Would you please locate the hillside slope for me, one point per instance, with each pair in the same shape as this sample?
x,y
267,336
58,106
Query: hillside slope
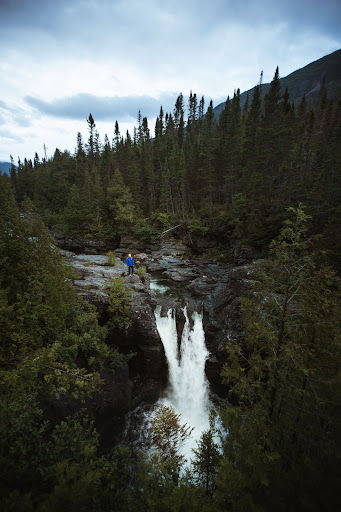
x,y
5,167
307,80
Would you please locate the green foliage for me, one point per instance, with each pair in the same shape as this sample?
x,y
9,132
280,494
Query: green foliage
x,y
235,178
161,482
221,254
284,384
141,271
167,435
75,213
46,469
45,327
52,349
120,304
156,490
164,219
144,230
207,457
198,228
120,203
111,258
72,274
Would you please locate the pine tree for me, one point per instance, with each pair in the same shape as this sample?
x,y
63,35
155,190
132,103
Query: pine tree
x,y
252,126
231,147
192,115
207,175
166,195
75,215
92,134
80,158
223,119
284,382
120,304
13,176
271,128
119,201
117,137
182,173
106,164
159,125
207,458
167,435
139,134
179,123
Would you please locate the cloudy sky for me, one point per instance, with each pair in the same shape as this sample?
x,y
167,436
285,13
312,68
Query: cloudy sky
x,y
61,60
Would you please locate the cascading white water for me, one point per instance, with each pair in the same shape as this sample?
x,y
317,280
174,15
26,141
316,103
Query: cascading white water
x,y
188,385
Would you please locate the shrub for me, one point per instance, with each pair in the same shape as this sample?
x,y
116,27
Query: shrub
x,y
111,259
120,304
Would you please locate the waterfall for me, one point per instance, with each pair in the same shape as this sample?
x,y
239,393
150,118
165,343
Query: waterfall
x,y
187,392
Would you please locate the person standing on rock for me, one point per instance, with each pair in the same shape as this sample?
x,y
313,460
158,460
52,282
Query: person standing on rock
x,y
130,264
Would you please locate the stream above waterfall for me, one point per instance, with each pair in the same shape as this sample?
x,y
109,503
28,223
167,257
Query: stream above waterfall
x,y
210,295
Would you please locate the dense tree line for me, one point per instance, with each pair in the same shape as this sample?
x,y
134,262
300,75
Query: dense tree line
x,y
283,389
230,179
283,447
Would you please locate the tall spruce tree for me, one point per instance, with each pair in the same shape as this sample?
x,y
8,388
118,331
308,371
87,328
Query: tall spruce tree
x,y
284,383
92,135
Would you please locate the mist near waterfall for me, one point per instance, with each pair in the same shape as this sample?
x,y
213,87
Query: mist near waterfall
x,y
188,387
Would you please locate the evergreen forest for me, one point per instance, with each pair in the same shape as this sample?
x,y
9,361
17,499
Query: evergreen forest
x,y
266,177
231,180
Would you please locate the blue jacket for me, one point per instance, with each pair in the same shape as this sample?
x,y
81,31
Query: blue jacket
x,y
130,261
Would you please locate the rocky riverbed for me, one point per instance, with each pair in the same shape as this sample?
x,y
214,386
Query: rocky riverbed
x,y
170,276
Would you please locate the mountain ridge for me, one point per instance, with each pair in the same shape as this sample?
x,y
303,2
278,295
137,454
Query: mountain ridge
x,y
5,167
304,81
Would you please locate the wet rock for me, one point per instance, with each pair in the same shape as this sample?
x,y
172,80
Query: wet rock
x,y
202,244
182,275
154,266
131,245
147,392
143,320
107,407
202,285
111,405
138,283
193,282
85,246
94,275
223,309
171,262
213,369
243,254
142,256
172,247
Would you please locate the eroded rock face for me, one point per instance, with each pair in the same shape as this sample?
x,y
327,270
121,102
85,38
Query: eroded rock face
x,y
111,404
85,246
141,338
222,319
194,282
148,366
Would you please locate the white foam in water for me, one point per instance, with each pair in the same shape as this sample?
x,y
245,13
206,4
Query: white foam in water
x,y
188,385
160,288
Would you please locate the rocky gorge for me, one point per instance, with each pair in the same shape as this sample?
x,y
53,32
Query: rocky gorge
x,y
173,276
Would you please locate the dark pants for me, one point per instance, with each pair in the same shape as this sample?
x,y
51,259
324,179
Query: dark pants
x,y
130,270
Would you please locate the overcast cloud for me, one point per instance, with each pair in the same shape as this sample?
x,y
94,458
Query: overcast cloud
x,y
59,61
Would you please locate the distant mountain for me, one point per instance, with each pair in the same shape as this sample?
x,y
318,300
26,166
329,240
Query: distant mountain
x,y
307,80
5,167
